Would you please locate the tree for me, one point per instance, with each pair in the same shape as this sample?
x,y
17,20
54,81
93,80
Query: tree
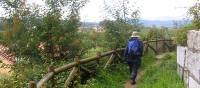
x,y
126,20
194,11
47,35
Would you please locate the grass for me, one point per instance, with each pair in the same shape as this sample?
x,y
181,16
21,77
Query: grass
x,y
116,76
108,78
155,76
162,75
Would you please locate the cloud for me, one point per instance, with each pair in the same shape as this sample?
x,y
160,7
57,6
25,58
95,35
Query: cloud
x,y
165,9
150,9
93,11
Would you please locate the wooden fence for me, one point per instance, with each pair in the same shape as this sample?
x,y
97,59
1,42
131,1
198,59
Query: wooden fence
x,y
77,62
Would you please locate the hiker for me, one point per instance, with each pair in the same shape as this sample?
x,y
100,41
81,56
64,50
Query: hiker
x,y
132,55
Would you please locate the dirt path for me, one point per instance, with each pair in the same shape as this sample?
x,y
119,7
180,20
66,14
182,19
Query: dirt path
x,y
4,71
141,73
128,83
7,59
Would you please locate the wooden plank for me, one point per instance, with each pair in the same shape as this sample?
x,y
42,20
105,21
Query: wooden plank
x,y
158,40
71,77
109,61
51,69
86,69
98,54
118,55
45,79
49,75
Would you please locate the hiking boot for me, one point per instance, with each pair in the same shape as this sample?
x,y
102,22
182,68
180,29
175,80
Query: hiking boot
x,y
132,82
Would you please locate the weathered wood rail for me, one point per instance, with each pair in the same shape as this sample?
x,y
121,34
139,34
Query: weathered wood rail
x,y
77,62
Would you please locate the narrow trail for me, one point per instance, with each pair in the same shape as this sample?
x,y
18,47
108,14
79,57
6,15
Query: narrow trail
x,y
142,72
4,71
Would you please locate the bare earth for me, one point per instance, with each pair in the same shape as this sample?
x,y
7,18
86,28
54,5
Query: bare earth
x,y
4,71
128,83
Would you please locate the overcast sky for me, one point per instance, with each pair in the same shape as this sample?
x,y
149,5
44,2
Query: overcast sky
x,y
150,9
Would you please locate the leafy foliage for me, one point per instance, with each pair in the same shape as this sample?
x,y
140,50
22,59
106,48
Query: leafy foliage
x,y
181,34
194,11
126,20
39,36
116,33
38,39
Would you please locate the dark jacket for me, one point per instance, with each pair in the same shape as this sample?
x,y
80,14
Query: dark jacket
x,y
127,57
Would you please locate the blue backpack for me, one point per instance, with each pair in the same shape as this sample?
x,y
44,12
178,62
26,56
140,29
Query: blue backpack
x,y
134,47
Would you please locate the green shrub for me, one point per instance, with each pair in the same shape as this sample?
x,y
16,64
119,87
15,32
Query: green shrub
x,y
116,32
181,35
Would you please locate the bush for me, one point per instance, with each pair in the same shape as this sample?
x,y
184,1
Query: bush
x,y
27,33
181,35
116,33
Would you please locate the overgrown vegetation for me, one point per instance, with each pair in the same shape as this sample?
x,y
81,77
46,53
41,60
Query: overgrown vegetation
x,y
108,78
47,35
126,20
163,75
116,77
155,75
41,37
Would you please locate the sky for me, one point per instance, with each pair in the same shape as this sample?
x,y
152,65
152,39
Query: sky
x,y
149,9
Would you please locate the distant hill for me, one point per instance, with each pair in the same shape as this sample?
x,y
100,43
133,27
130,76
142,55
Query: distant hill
x,y
147,23
89,24
159,23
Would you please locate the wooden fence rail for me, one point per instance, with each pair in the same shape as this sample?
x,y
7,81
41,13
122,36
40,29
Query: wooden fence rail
x,y
76,65
49,75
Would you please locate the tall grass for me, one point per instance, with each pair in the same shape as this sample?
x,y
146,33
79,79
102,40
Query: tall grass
x,y
116,76
162,76
109,79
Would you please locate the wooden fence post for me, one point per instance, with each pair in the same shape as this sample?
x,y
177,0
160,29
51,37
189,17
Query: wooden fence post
x,y
78,73
32,84
99,56
111,59
119,56
74,73
146,47
51,69
71,77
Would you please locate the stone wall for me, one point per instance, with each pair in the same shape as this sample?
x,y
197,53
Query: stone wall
x,y
188,60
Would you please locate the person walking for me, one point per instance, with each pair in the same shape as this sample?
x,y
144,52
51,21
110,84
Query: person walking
x,y
132,55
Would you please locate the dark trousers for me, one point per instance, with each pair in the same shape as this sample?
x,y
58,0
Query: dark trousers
x,y
134,66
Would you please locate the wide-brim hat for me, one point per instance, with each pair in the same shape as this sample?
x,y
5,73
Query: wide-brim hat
x,y
135,34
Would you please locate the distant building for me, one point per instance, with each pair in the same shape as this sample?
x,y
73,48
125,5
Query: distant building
x,y
90,26
99,29
86,29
